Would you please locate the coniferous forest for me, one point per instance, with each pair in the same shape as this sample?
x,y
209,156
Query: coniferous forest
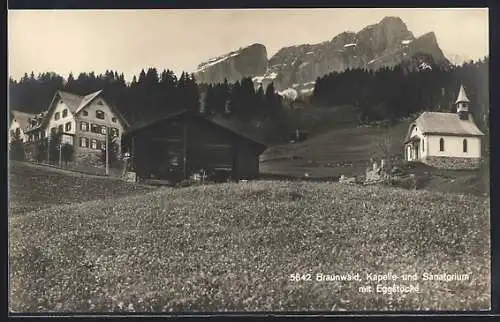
x,y
385,94
397,92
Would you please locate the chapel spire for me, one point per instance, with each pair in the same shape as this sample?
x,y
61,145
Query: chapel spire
x,y
462,104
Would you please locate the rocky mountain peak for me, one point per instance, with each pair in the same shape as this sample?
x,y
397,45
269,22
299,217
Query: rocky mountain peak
x,y
234,66
384,44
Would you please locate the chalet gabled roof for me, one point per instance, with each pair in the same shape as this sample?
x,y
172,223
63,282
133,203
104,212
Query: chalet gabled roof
x,y
76,103
86,100
71,100
444,124
141,125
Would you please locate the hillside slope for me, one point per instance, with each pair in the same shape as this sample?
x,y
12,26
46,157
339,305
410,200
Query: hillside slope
x,y
233,247
347,150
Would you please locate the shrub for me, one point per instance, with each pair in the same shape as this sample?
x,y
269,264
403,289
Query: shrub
x,y
41,150
67,152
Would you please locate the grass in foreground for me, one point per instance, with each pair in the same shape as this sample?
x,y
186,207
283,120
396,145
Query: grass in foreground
x,y
34,188
232,247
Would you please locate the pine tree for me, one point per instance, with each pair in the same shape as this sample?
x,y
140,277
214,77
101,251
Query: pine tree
x,y
70,83
17,146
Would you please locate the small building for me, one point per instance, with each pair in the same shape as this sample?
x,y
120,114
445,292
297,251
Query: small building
x,y
184,143
446,140
18,122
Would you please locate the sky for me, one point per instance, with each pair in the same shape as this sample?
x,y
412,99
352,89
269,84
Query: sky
x,y
127,41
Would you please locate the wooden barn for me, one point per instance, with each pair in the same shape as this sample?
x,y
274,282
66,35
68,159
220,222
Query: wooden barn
x,y
184,143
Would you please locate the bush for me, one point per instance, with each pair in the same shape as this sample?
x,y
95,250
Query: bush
x,y
67,152
41,151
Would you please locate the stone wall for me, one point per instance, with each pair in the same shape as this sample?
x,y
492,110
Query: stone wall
x,y
453,162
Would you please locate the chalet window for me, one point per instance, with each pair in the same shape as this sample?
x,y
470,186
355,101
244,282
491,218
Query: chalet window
x,y
99,114
464,145
113,119
103,145
65,112
84,126
60,128
57,116
115,132
93,145
98,145
67,127
84,142
103,130
94,128
441,144
85,113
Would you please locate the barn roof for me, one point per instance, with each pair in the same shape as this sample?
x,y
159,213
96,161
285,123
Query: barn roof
x,y
444,124
141,125
21,118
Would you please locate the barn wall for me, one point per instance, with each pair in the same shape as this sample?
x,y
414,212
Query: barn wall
x,y
158,149
247,163
209,147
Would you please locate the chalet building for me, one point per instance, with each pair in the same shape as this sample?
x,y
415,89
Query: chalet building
x,y
446,140
82,121
18,121
185,142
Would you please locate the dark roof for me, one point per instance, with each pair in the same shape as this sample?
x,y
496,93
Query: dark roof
x,y
183,113
71,100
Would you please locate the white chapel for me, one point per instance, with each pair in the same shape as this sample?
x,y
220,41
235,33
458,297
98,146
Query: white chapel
x,y
445,140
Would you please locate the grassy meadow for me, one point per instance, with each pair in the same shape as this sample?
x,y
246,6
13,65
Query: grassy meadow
x,y
233,246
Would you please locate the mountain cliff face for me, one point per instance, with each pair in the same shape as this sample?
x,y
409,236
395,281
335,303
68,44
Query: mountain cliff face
x,y
245,62
384,44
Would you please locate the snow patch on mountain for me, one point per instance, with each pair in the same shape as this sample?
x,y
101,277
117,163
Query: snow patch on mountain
x,y
457,59
216,60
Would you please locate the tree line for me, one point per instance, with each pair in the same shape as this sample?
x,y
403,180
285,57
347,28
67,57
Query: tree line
x,y
387,93
152,95
148,96
393,93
